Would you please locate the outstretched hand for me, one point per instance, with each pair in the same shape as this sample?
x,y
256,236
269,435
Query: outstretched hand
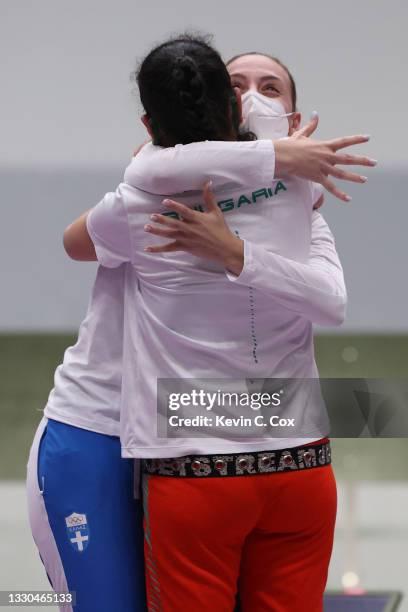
x,y
316,160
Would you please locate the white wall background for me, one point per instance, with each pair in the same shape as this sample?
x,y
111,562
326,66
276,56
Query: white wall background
x,y
69,121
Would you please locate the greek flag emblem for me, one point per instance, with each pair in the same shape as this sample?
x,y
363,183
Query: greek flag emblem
x,y
77,531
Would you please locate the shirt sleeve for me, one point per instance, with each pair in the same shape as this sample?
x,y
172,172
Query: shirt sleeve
x,y
172,170
108,228
314,290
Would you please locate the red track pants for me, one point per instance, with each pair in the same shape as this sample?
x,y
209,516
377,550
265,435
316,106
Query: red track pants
x,y
271,534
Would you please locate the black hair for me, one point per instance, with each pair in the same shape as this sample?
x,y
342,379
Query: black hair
x,y
186,92
281,64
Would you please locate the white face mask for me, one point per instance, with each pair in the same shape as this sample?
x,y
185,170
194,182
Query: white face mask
x,y
265,117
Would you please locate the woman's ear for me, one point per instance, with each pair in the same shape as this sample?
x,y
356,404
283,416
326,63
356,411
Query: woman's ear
x,y
147,124
294,122
238,96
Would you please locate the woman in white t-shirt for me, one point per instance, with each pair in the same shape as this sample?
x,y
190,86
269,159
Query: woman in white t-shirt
x,y
185,316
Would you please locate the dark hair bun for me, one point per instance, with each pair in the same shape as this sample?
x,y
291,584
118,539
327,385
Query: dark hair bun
x,y
186,92
188,81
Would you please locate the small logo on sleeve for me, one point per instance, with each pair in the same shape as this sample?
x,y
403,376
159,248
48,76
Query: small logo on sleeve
x,y
77,531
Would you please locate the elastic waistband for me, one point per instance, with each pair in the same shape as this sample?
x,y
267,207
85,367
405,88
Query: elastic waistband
x,y
241,464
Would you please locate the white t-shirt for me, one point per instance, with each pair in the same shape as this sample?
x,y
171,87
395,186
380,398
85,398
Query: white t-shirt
x,y
185,317
88,382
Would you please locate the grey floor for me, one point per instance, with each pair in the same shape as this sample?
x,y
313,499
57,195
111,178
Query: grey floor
x,y
371,539
20,565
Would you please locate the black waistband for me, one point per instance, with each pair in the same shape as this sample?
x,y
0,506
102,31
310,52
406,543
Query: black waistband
x,y
241,464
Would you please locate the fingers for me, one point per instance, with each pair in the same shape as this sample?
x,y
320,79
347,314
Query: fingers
x,y
346,176
158,231
140,147
310,127
165,248
344,159
172,229
183,211
347,141
334,190
170,222
209,198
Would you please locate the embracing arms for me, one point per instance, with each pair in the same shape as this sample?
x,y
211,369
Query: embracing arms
x,y
298,155
314,289
77,241
186,167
